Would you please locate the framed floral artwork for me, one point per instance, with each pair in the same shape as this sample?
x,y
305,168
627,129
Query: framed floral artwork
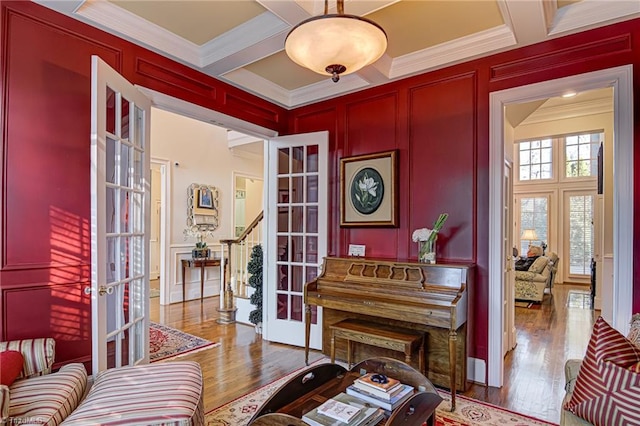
x,y
368,190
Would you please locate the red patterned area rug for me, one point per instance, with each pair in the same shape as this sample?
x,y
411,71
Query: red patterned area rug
x,y
167,342
469,412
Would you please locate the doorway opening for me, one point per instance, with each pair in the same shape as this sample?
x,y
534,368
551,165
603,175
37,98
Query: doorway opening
x,y
617,307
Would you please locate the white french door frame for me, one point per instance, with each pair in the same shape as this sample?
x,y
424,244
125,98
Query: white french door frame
x,y
618,314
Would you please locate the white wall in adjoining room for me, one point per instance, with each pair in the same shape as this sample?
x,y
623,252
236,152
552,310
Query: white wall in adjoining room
x,y
198,153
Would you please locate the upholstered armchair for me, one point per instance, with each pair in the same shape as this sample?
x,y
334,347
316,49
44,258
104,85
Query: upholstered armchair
x,y
530,284
167,393
37,395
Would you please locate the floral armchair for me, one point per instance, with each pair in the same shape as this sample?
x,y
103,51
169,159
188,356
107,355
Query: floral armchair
x,y
530,284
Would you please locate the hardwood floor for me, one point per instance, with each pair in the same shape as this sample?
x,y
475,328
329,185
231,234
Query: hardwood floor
x,y
534,370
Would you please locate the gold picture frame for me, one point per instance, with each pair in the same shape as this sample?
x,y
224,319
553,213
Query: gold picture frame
x,y
369,190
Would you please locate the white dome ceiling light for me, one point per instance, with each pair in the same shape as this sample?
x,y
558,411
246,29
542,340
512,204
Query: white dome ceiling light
x,y
336,44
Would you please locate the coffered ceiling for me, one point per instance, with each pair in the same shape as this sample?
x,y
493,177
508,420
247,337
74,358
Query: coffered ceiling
x,y
242,41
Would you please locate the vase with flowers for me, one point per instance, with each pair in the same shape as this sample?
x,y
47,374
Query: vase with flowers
x,y
426,239
201,251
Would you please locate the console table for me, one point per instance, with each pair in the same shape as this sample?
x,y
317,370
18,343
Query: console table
x,y
200,263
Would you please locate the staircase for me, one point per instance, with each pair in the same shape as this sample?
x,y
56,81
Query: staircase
x,y
238,252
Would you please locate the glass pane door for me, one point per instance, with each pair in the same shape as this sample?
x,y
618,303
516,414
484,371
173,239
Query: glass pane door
x,y
579,208
119,217
296,232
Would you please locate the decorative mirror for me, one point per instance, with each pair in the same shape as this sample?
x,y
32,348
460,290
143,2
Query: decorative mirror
x,y
202,208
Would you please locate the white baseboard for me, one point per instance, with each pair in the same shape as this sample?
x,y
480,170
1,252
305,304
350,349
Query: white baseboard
x,y
477,370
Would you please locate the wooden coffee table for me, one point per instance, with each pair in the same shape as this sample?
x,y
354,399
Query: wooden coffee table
x,y
313,386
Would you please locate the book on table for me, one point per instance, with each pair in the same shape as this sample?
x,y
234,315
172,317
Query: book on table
x,y
332,412
388,405
379,385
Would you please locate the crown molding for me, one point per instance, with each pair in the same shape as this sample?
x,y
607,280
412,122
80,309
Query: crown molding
x,y
121,22
327,89
464,48
259,86
588,13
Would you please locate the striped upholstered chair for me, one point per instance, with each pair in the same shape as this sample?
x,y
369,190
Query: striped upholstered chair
x,y
165,393
39,396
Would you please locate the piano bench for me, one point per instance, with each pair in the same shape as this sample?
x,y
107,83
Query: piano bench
x,y
379,335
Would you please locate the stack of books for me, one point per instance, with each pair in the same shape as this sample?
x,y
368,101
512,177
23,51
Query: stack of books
x,y
343,410
380,390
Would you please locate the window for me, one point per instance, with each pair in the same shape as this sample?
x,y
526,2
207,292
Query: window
x,y
581,155
535,160
580,238
534,215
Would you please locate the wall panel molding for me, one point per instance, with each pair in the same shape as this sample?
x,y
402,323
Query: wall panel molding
x,y
442,149
176,80
562,57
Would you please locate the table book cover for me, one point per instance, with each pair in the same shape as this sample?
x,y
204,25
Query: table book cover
x,y
389,405
367,415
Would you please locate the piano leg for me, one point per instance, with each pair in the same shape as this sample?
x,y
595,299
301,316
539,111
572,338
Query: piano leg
x,y
307,332
453,338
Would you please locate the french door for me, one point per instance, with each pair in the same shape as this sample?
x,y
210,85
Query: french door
x,y
579,238
296,235
508,307
120,187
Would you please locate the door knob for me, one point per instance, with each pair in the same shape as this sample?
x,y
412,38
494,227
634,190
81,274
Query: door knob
x,y
102,290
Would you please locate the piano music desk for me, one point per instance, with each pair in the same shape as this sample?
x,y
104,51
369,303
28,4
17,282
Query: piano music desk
x,y
394,338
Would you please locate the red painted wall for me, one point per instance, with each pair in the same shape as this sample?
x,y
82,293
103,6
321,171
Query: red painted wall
x,y
45,242
438,121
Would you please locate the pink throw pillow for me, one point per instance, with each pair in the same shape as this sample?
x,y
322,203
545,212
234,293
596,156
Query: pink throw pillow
x,y
608,383
10,366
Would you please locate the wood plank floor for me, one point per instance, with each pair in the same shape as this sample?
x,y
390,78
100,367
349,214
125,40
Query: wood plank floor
x,y
534,370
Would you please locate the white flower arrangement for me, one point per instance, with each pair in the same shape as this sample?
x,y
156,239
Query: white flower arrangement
x,y
426,239
421,234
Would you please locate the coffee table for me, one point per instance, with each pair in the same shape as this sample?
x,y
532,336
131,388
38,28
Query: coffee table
x,y
313,386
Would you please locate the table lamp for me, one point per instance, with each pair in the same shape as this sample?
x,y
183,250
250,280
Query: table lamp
x,y
529,235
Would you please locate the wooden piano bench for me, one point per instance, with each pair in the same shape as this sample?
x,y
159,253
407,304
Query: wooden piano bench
x,y
374,334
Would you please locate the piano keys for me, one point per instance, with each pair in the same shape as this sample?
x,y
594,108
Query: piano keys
x,y
425,297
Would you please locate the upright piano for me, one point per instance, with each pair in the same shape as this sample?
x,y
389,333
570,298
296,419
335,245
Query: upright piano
x,y
431,298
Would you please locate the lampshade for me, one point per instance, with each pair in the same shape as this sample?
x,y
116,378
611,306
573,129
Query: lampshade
x,y
336,44
529,235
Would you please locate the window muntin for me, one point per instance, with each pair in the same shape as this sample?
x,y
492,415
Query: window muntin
x,y
536,160
581,154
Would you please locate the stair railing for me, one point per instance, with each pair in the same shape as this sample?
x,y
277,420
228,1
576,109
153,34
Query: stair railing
x,y
239,252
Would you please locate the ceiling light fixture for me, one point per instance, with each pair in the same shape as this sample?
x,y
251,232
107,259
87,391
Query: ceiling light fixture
x,y
335,43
